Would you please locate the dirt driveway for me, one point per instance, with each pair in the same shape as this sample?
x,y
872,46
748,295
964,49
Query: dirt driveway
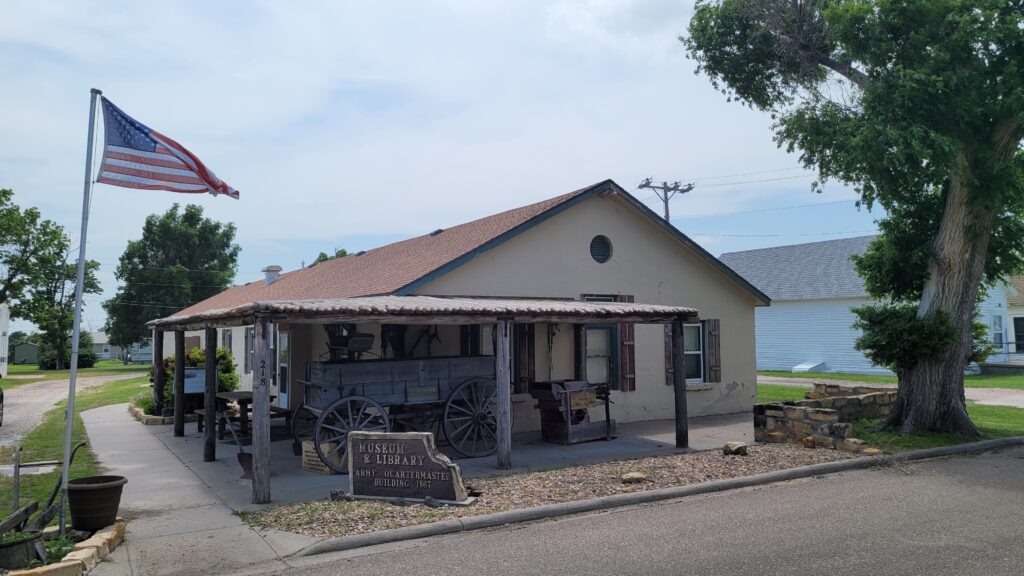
x,y
25,405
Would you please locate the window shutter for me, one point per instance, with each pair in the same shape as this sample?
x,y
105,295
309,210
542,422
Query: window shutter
x,y
712,351
627,355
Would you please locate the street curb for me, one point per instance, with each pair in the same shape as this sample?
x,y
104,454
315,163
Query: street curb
x,y
454,525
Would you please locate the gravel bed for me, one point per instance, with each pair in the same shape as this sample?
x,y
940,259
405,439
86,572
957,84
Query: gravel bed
x,y
325,518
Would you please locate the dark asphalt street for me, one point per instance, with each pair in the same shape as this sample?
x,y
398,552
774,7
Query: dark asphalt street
x,y
960,516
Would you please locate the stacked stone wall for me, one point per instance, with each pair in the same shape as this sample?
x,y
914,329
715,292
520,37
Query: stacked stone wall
x,y
822,421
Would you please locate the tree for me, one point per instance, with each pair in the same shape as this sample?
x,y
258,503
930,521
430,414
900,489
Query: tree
x,y
25,240
918,104
50,360
323,257
50,301
182,258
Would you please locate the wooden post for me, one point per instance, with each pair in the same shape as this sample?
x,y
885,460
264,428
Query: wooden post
x,y
579,339
679,385
159,378
264,368
210,398
504,378
179,382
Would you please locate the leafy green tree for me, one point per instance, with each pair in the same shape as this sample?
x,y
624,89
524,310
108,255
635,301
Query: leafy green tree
x,y
25,240
324,256
50,300
50,360
182,258
918,104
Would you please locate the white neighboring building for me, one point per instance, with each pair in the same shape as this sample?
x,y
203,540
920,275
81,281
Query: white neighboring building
x,y
813,287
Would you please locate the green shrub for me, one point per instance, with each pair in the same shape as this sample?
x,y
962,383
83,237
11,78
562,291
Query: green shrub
x,y
144,402
227,378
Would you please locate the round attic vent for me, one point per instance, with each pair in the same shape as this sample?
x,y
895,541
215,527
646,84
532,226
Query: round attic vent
x,y
601,249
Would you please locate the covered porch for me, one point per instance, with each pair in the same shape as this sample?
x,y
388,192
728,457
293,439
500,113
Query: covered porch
x,y
501,316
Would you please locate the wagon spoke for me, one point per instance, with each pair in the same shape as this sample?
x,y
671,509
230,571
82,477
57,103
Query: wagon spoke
x,y
461,409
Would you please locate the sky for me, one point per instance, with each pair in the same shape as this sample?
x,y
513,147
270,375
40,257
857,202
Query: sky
x,y
355,124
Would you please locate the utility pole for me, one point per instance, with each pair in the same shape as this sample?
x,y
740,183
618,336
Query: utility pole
x,y
666,191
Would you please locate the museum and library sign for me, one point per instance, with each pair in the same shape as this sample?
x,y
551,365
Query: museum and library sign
x,y
402,465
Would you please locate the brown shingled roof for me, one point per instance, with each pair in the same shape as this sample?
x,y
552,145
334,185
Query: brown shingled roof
x,y
382,270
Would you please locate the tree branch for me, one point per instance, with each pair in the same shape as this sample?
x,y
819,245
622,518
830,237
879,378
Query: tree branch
x,y
844,69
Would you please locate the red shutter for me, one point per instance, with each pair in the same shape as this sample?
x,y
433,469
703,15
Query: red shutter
x,y
627,351
712,351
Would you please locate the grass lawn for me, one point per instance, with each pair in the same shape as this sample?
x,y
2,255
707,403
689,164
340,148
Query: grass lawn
x,y
993,421
46,441
973,381
30,373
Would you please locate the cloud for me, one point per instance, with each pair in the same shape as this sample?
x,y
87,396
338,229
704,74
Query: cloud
x,y
351,121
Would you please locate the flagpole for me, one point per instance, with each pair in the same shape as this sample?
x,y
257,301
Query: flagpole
x,y
69,414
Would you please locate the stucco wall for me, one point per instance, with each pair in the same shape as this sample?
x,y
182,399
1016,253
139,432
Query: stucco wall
x,y
553,260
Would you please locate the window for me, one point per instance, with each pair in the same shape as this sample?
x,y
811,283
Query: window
x,y
250,349
602,355
601,249
225,339
693,345
997,331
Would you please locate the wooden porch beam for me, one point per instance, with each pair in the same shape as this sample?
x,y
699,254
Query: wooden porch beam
x,y
210,398
159,378
503,371
264,367
179,383
679,385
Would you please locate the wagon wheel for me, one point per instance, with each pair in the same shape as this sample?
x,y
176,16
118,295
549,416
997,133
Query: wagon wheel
x,y
470,419
303,423
344,416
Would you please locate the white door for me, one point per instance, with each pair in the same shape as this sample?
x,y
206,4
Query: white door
x,y
283,375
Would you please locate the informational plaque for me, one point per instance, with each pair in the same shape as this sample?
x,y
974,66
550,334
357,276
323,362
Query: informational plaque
x,y
402,465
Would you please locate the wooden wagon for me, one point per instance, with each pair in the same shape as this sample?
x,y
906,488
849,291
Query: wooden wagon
x,y
456,394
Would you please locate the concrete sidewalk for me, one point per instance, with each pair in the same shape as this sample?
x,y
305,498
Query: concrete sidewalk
x,y
182,512
176,522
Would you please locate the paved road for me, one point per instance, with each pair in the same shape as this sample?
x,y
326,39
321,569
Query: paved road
x,y
991,396
25,405
961,516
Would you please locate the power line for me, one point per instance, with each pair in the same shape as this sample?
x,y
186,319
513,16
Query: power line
x,y
746,174
766,209
782,235
755,181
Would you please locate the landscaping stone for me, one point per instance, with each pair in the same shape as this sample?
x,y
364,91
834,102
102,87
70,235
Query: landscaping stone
x,y
97,543
823,442
854,445
840,430
872,452
63,568
823,415
807,442
634,477
88,557
734,448
775,437
795,412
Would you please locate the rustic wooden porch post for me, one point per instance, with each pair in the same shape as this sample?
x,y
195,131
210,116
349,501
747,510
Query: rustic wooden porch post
x,y
179,382
504,378
159,378
210,398
579,342
679,385
264,367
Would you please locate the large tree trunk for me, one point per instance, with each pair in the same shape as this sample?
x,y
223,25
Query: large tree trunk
x,y
931,393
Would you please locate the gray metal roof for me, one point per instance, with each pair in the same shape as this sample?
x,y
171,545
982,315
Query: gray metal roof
x,y
803,271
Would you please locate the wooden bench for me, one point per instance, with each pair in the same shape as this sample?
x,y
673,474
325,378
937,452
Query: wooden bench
x,y
275,412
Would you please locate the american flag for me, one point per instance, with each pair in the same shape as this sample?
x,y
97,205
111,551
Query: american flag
x,y
136,156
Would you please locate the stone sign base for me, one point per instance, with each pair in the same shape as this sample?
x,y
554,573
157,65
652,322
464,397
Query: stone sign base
x,y
407,465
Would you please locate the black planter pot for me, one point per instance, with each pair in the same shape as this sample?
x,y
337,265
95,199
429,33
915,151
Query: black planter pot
x,y
18,553
94,501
